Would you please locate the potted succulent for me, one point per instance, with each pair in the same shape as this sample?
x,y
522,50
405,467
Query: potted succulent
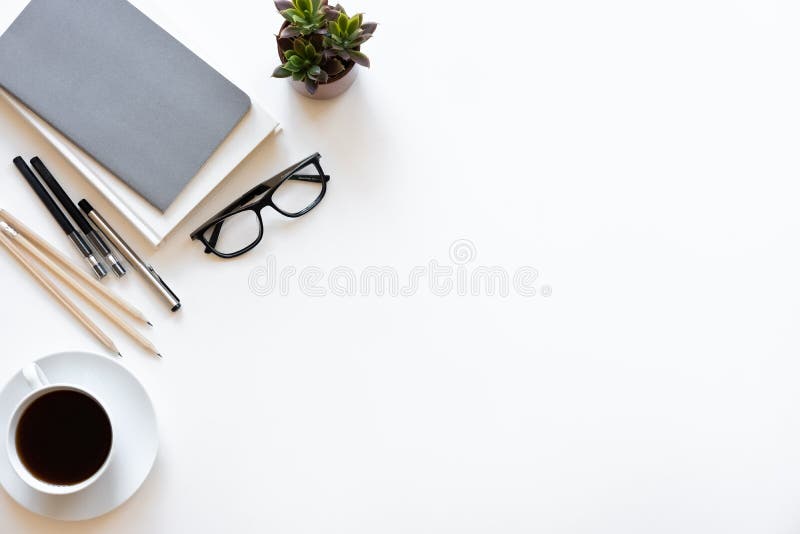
x,y
320,46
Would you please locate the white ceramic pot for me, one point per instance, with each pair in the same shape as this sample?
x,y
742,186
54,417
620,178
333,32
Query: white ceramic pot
x,y
327,91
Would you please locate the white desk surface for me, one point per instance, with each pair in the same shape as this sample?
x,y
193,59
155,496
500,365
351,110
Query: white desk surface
x,y
642,156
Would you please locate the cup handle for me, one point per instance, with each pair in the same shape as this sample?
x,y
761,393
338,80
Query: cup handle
x,y
34,376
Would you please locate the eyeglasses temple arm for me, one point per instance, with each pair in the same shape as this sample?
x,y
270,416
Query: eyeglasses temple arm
x,y
310,177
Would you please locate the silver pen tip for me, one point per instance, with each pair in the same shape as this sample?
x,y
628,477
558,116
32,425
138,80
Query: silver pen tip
x,y
97,267
118,269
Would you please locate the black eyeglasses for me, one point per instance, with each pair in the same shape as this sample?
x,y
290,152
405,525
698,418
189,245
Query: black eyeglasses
x,y
293,193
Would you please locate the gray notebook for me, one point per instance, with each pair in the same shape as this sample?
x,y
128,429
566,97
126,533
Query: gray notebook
x,y
122,89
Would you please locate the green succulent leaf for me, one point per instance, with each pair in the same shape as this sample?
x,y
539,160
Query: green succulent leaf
x,y
288,32
303,62
359,58
305,16
346,34
322,77
311,86
353,24
341,22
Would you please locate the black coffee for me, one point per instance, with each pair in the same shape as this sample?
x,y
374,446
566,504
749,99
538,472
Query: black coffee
x,y
63,437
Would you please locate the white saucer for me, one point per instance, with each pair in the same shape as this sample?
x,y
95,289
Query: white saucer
x,y
135,436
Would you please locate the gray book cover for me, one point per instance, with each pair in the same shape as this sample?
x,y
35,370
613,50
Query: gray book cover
x,y
122,89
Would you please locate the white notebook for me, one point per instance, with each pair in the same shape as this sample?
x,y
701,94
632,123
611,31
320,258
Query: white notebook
x,y
154,225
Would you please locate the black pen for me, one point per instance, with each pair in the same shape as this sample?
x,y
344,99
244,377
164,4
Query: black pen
x,y
61,219
78,217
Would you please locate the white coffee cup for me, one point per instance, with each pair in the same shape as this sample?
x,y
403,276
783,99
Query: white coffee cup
x,y
41,386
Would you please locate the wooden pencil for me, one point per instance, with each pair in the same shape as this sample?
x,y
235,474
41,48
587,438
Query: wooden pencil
x,y
78,288
30,235
59,295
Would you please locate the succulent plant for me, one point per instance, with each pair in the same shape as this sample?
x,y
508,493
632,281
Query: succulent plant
x,y
303,64
345,36
305,16
319,42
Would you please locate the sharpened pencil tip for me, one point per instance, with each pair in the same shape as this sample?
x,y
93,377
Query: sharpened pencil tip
x,y
149,323
160,356
119,354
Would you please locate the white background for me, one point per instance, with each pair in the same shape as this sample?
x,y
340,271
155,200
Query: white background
x,y
641,155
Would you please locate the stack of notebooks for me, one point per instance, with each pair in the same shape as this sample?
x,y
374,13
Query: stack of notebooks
x,y
129,102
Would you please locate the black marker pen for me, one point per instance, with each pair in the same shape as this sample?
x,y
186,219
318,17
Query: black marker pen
x,y
80,243
100,246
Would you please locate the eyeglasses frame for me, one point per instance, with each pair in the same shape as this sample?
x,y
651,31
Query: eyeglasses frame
x,y
245,203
